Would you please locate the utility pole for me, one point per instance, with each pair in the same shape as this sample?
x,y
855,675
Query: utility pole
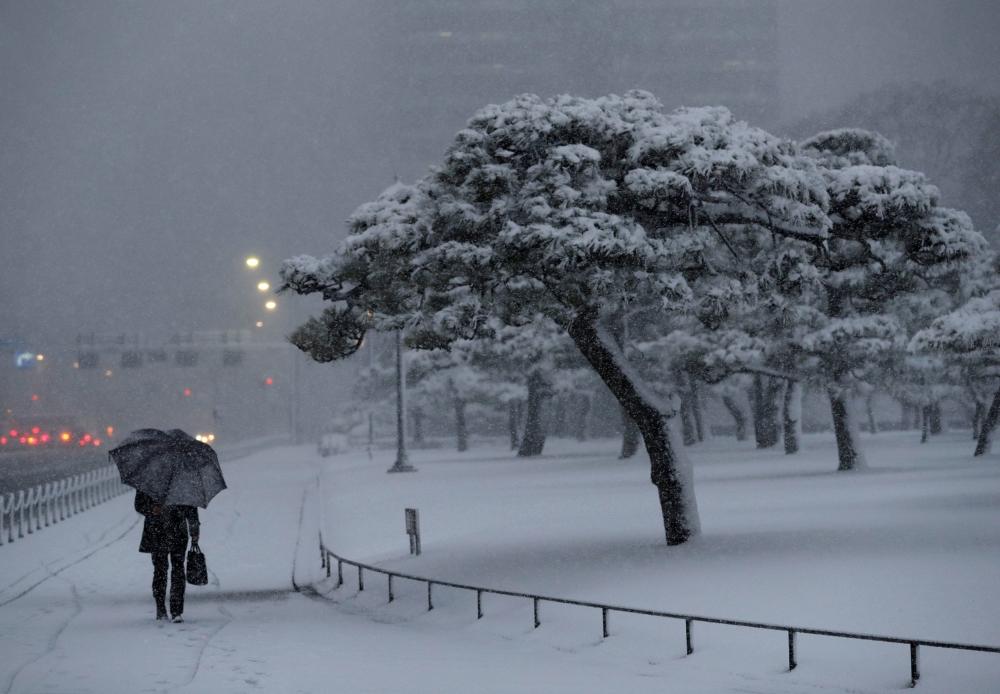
x,y
402,463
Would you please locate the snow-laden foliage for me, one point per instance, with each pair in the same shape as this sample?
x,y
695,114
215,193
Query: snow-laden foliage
x,y
589,211
974,327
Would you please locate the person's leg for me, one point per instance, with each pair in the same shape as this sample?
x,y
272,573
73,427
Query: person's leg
x,y
177,582
160,583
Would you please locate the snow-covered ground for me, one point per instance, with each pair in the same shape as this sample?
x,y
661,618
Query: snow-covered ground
x,y
909,548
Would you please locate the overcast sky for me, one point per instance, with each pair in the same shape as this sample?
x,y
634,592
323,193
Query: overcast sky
x,y
148,146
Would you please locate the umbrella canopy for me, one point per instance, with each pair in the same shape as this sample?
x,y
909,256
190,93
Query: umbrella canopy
x,y
170,466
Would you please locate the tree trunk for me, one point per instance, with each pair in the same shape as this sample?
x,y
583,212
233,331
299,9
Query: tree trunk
x,y
461,433
533,440
763,399
935,413
670,470
977,419
688,435
418,425
925,421
558,409
792,416
988,426
630,436
694,397
738,416
513,421
848,453
870,411
580,420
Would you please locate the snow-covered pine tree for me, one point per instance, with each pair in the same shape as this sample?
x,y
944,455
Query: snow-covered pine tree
x,y
579,209
972,331
889,238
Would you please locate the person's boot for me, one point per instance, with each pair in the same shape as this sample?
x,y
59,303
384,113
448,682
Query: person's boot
x,y
177,619
161,613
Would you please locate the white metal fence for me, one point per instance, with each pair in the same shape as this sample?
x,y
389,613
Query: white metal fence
x,y
45,504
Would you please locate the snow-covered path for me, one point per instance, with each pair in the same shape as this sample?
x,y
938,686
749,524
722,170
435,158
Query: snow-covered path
x,y
76,617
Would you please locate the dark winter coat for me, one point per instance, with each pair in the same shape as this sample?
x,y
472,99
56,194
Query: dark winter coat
x,y
168,530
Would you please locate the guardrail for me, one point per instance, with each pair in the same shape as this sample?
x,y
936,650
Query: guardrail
x,y
326,556
45,504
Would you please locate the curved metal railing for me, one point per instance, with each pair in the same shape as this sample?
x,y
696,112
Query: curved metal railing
x,y
38,507
326,555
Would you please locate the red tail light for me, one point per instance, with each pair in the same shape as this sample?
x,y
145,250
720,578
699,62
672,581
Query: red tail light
x,y
45,438
3,440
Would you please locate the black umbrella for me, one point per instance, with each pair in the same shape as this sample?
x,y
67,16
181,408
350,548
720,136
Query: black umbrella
x,y
169,466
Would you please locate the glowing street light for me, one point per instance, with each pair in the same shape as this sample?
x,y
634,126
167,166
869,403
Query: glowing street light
x,y
259,324
271,305
40,357
252,262
263,286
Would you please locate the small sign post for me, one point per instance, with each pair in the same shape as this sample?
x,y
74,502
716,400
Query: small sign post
x,y
413,529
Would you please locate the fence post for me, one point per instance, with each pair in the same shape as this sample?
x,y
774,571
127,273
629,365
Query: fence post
x,y
604,621
340,573
791,650
29,503
327,565
537,621
479,604
3,511
361,579
39,505
430,601
687,636
391,596
20,514
914,665
322,556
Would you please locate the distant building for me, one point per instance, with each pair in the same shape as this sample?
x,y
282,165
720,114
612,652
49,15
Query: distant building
x,y
443,59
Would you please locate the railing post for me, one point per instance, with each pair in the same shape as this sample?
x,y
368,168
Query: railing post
x,y
391,596
322,557
361,579
604,621
791,650
327,565
430,601
479,604
29,503
914,665
39,505
538,622
20,514
340,573
687,636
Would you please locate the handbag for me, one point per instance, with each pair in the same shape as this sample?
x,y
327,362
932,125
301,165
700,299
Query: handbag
x,y
197,569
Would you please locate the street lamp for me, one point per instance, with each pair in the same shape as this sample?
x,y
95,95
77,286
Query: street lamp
x,y
263,286
259,324
271,305
252,262
402,463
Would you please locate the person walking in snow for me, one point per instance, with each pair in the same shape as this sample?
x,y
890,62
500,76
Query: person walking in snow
x,y
165,536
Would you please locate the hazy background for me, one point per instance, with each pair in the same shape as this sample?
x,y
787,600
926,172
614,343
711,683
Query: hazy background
x,y
147,147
